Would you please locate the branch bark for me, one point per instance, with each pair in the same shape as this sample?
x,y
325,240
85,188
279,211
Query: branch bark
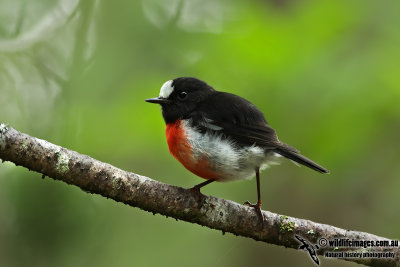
x,y
139,191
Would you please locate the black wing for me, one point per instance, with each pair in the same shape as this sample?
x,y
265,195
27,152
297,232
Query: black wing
x,y
244,123
236,118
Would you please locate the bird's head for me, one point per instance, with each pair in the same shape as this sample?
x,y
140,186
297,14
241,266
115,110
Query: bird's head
x,y
180,96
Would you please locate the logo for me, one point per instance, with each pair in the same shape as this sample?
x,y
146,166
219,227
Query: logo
x,y
344,248
310,248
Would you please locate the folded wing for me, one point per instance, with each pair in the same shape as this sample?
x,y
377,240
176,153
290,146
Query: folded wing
x,y
241,121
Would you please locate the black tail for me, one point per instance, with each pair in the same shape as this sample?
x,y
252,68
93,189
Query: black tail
x,y
290,153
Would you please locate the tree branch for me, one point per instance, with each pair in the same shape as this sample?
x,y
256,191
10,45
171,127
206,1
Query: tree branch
x,y
139,191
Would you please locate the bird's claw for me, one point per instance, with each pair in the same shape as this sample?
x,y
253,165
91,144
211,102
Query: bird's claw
x,y
195,189
257,207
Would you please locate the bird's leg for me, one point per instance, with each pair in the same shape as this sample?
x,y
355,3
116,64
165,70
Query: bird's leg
x,y
257,206
196,188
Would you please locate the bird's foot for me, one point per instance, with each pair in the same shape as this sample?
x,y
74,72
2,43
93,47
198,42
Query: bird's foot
x,y
195,189
257,207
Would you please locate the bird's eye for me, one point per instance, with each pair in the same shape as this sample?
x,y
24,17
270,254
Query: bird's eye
x,y
182,96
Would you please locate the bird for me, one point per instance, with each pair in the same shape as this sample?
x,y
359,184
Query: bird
x,y
220,136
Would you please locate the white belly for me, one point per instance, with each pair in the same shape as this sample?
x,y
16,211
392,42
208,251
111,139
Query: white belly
x,y
231,162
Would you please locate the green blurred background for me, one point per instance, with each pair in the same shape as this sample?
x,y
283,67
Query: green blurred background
x,y
76,73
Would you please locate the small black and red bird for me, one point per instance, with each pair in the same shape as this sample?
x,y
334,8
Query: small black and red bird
x,y
220,136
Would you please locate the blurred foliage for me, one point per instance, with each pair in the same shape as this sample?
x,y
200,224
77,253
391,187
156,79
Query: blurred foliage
x,y
76,73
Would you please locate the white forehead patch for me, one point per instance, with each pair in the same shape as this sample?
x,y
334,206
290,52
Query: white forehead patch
x,y
166,89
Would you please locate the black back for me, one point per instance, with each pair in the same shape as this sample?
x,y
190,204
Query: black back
x,y
236,118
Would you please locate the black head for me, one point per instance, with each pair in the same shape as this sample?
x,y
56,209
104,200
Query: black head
x,y
180,96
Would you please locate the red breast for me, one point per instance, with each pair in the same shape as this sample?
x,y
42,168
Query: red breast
x,y
179,146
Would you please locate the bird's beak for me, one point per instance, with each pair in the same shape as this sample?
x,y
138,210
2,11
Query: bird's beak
x,y
157,100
